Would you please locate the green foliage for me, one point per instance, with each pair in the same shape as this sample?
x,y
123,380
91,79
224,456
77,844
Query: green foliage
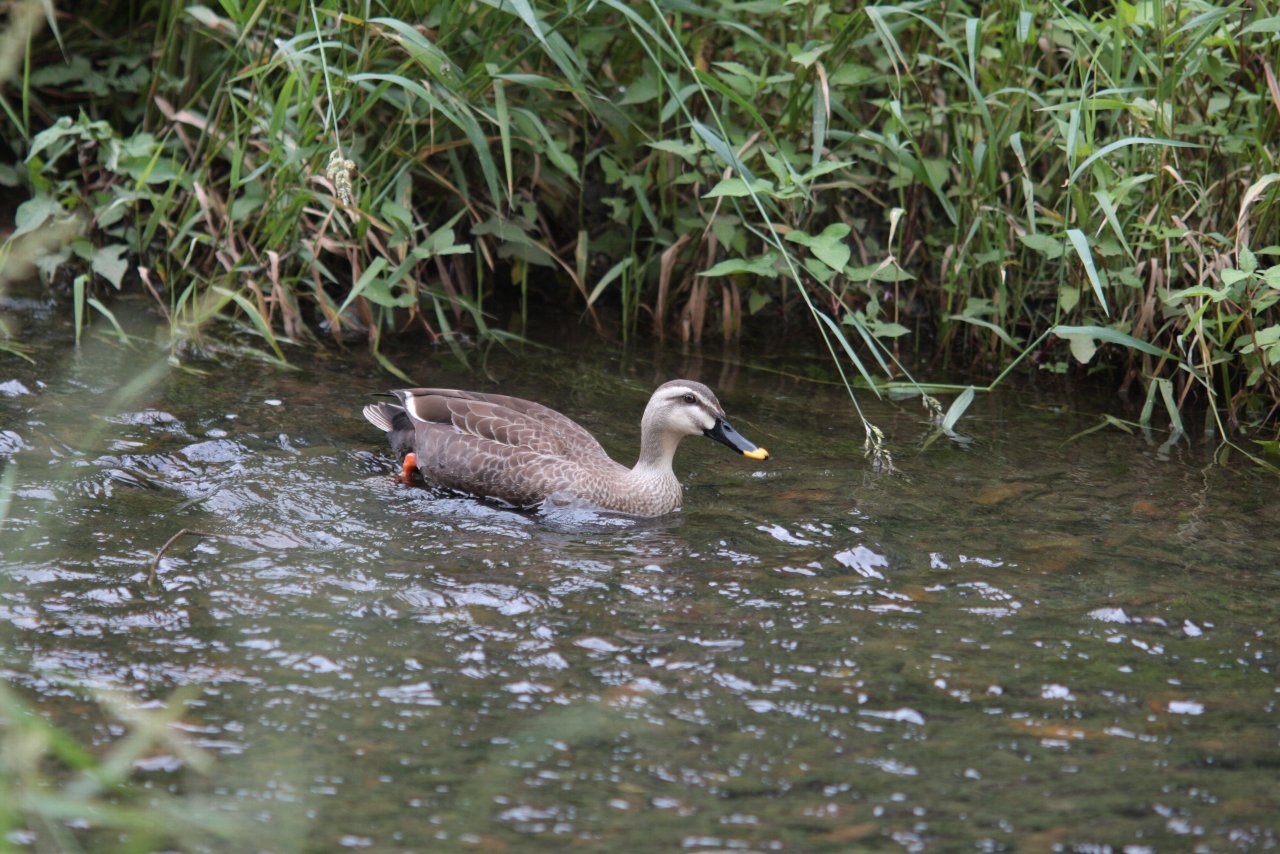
x,y
57,793
957,178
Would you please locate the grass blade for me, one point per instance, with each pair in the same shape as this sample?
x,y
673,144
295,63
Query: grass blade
x,y
1081,244
1121,143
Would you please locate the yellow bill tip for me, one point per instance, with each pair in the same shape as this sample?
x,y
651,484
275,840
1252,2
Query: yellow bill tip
x,y
757,454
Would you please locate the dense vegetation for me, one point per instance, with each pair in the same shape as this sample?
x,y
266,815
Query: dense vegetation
x,y
984,185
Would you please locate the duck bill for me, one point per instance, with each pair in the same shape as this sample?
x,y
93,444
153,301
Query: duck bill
x,y
724,433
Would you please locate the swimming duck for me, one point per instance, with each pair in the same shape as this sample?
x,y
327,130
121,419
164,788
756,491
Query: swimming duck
x,y
524,453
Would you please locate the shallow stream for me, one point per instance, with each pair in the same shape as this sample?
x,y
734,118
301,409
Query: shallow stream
x,y
1014,643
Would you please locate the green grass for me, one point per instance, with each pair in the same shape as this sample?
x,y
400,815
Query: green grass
x,y
59,794
985,185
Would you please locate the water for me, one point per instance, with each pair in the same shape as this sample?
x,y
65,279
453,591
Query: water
x,y
1012,644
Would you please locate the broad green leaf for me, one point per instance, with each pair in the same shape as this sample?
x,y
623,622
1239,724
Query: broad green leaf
x,y
503,116
808,57
443,241
818,270
1111,336
737,69
528,252
688,151
761,265
726,229
62,127
1264,339
377,290
882,272
74,75
135,156
1175,297
394,212
505,230
824,168
1248,261
737,187
642,90
852,74
35,212
1230,277
881,329
1082,347
1025,21
676,101
779,167
829,247
109,263
250,200
1050,247
553,147
938,171
1068,298
1263,25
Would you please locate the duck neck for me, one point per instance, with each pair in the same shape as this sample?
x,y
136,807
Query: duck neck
x,y
657,450
652,486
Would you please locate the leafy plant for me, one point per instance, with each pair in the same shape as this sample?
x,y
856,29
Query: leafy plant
x,y
56,792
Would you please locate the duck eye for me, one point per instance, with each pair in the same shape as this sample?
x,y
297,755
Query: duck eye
x,y
689,398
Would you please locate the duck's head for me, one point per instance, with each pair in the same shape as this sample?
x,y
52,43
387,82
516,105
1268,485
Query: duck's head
x,y
686,408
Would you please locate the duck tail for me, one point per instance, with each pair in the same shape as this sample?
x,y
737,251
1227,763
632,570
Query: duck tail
x,y
383,416
395,422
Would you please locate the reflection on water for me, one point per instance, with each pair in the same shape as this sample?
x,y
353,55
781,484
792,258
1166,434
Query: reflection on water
x,y
1014,645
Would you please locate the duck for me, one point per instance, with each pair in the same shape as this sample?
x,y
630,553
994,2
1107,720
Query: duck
x,y
524,454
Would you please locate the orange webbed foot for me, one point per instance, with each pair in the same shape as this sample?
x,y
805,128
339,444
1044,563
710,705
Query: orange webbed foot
x,y
409,468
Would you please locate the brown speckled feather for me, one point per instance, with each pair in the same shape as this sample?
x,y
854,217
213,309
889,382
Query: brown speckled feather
x,y
506,420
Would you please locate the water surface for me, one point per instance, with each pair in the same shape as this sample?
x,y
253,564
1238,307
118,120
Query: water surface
x,y
1014,643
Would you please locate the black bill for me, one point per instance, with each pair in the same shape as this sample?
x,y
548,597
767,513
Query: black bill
x,y
724,433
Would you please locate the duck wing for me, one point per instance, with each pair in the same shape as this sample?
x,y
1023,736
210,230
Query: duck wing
x,y
510,421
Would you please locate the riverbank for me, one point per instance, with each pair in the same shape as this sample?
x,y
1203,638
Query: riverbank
x,y
1010,188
